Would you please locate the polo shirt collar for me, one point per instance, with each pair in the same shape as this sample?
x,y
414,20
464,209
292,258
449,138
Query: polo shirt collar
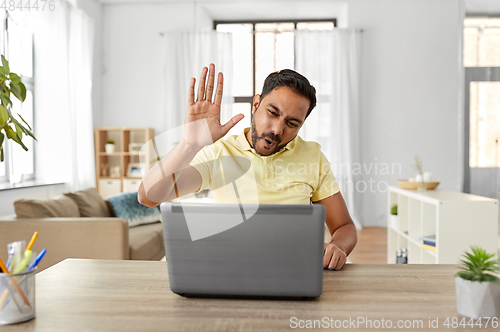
x,y
243,143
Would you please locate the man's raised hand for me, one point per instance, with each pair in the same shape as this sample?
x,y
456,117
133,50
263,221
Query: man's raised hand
x,y
202,126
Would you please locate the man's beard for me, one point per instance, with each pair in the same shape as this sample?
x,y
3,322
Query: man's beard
x,y
271,136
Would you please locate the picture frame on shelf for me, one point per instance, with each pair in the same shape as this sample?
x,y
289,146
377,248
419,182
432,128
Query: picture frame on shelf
x,y
134,170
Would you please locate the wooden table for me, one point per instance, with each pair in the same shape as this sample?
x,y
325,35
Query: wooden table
x,y
104,295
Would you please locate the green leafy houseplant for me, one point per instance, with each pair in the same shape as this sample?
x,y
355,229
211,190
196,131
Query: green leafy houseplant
x,y
10,84
110,142
479,266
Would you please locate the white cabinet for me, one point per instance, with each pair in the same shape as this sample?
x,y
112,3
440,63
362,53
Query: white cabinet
x,y
109,187
458,220
131,185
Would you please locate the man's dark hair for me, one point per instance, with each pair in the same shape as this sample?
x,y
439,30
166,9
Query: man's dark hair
x,y
290,78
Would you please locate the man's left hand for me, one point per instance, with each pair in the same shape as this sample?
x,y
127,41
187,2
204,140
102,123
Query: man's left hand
x,y
333,257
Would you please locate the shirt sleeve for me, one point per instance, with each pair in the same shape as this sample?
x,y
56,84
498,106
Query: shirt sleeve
x,y
203,162
327,184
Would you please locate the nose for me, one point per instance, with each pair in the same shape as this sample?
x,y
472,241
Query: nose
x,y
278,128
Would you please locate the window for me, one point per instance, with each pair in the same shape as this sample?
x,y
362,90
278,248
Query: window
x,y
482,42
260,48
482,109
18,48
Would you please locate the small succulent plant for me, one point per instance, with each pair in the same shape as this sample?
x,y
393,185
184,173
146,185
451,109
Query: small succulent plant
x,y
479,266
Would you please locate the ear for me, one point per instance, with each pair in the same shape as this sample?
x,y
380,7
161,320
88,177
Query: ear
x,y
256,101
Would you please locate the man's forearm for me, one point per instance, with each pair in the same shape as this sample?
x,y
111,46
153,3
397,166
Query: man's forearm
x,y
159,181
345,237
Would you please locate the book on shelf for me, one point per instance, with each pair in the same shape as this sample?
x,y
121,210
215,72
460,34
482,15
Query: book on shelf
x,y
429,238
428,247
429,243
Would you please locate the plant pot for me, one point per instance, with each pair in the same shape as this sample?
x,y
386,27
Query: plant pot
x,y
110,148
394,221
477,299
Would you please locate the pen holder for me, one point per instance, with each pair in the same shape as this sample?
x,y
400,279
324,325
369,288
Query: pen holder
x,y
17,297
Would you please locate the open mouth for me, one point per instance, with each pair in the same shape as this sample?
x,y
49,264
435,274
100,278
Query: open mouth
x,y
268,143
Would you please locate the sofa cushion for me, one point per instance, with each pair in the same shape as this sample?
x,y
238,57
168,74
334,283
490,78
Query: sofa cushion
x,y
57,207
146,242
110,208
90,203
126,205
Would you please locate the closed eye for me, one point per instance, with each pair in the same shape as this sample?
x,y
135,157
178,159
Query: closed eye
x,y
272,112
290,124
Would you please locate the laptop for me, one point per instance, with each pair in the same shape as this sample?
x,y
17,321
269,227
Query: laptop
x,y
231,250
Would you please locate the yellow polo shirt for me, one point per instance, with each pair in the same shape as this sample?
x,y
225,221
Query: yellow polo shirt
x,y
297,174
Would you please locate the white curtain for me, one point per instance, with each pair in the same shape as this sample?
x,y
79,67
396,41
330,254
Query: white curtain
x,y
185,54
331,62
63,49
80,52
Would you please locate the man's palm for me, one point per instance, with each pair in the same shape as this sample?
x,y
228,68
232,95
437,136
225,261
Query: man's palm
x,y
202,125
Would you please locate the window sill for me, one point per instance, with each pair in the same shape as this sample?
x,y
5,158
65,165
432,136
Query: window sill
x,y
27,184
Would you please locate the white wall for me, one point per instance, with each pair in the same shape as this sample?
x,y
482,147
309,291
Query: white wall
x,y
411,76
411,100
132,63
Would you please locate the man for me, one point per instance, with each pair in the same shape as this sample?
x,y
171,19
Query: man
x,y
286,169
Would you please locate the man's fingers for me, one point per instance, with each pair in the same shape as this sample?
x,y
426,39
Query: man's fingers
x,y
201,85
341,262
231,123
210,83
335,259
327,257
192,82
218,92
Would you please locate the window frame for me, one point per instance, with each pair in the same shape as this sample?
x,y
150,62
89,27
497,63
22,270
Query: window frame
x,y
249,99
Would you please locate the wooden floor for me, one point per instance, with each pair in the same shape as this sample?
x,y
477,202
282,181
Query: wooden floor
x,y
371,247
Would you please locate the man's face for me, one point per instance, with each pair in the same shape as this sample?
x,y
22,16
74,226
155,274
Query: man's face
x,y
277,119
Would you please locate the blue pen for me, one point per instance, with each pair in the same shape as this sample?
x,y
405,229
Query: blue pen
x,y
37,260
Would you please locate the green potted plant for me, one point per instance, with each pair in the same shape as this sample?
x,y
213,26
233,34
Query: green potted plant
x,y
478,284
10,84
394,219
110,146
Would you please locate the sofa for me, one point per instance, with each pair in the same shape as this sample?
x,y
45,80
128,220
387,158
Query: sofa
x,y
69,233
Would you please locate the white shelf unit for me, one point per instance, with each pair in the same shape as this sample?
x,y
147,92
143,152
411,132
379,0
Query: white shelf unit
x,y
457,219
